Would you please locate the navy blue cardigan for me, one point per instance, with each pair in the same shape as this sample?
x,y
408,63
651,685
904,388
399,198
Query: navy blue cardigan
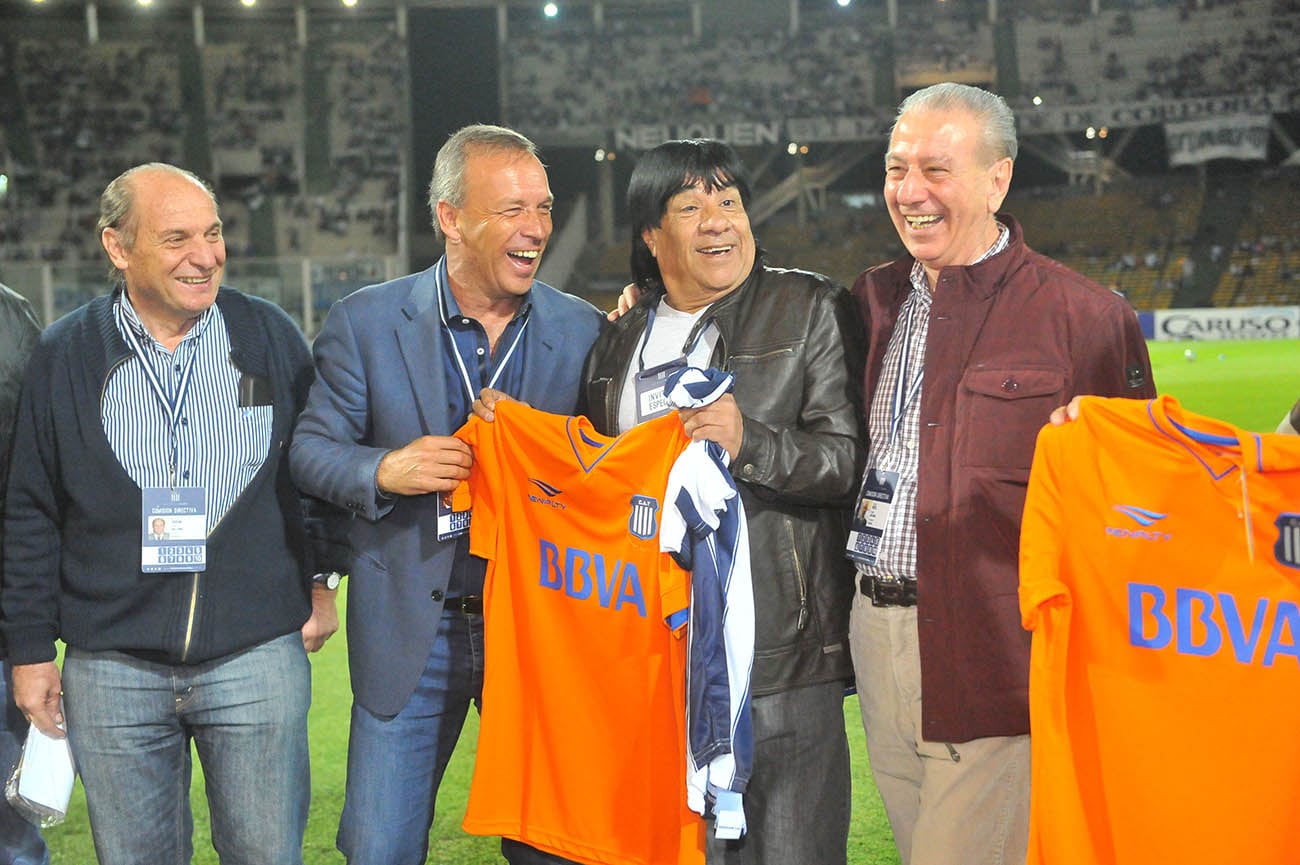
x,y
72,521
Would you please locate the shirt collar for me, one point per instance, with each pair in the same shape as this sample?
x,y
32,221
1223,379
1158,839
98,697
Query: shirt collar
x,y
451,309
128,318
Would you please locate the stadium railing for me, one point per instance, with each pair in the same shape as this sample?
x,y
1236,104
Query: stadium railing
x,y
305,287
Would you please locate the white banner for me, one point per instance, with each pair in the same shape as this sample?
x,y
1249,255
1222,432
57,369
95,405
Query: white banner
x,y
1236,136
1246,322
1121,115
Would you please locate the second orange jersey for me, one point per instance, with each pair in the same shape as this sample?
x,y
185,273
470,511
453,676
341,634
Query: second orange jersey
x,y
1160,575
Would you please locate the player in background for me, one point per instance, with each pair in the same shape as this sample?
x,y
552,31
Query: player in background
x,y
973,339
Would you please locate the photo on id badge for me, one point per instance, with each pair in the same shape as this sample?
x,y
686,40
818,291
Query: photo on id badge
x,y
174,527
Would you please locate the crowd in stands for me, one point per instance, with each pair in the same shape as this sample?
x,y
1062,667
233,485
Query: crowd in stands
x,y
577,80
119,103
1169,51
574,78
959,42
84,112
116,103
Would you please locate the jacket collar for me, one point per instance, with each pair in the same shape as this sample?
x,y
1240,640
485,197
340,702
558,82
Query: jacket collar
x,y
248,350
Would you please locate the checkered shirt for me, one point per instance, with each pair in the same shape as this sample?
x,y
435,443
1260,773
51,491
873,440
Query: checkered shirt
x,y
897,556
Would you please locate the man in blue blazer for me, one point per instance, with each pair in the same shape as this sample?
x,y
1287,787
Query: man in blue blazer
x,y
398,367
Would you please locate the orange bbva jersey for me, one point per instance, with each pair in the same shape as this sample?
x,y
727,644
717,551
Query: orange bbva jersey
x,y
582,744
1160,574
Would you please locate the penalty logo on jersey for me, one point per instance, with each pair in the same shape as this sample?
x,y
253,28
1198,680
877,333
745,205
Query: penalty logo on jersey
x,y
644,519
1287,548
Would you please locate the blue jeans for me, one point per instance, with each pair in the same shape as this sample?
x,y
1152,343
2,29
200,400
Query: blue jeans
x,y
396,764
797,802
130,723
20,841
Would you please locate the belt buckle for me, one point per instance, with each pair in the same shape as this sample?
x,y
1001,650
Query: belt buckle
x,y
892,592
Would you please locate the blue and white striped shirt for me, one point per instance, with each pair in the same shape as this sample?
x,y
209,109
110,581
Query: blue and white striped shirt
x,y
215,443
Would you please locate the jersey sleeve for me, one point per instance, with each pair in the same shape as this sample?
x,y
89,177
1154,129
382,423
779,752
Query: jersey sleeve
x,y
705,529
480,493
1042,526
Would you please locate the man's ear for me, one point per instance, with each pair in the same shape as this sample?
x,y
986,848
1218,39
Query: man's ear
x,y
1001,182
447,221
648,238
112,242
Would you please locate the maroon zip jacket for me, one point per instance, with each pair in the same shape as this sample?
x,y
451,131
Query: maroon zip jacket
x,y
1010,339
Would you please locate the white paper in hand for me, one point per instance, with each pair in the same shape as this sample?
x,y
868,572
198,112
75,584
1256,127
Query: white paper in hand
x,y
42,781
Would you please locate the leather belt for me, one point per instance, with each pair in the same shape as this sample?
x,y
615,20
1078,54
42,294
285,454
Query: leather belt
x,y
888,591
472,604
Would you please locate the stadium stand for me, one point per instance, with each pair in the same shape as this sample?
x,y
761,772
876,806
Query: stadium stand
x,y
306,136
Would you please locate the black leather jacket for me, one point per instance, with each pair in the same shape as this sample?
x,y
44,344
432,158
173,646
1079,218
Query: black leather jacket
x,y
793,341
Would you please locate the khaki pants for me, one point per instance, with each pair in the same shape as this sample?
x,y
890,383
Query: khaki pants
x,y
964,803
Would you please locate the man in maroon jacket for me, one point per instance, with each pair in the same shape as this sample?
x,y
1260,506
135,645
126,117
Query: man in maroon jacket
x,y
974,339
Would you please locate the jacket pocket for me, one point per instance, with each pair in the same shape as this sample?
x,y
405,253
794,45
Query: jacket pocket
x,y
1001,411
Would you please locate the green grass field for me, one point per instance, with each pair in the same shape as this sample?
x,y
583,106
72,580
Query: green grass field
x,y
1251,384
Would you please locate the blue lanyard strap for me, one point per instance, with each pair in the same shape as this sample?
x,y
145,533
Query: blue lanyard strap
x,y
460,361
687,348
905,393
172,403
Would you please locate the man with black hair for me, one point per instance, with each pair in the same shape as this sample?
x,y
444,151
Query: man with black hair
x,y
793,435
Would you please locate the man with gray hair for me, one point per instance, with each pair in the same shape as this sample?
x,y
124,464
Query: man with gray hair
x,y
973,339
398,367
170,398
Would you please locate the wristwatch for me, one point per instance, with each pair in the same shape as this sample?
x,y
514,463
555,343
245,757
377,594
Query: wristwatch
x,y
330,580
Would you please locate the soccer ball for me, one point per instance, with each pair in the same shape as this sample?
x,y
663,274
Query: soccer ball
x,y
1189,355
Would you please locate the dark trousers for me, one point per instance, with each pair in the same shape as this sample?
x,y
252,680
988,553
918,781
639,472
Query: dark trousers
x,y
521,854
797,802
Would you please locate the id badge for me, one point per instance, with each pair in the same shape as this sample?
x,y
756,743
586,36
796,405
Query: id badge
x,y
650,399
174,530
451,522
870,515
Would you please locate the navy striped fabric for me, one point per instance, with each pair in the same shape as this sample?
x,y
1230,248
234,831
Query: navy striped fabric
x,y
217,444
